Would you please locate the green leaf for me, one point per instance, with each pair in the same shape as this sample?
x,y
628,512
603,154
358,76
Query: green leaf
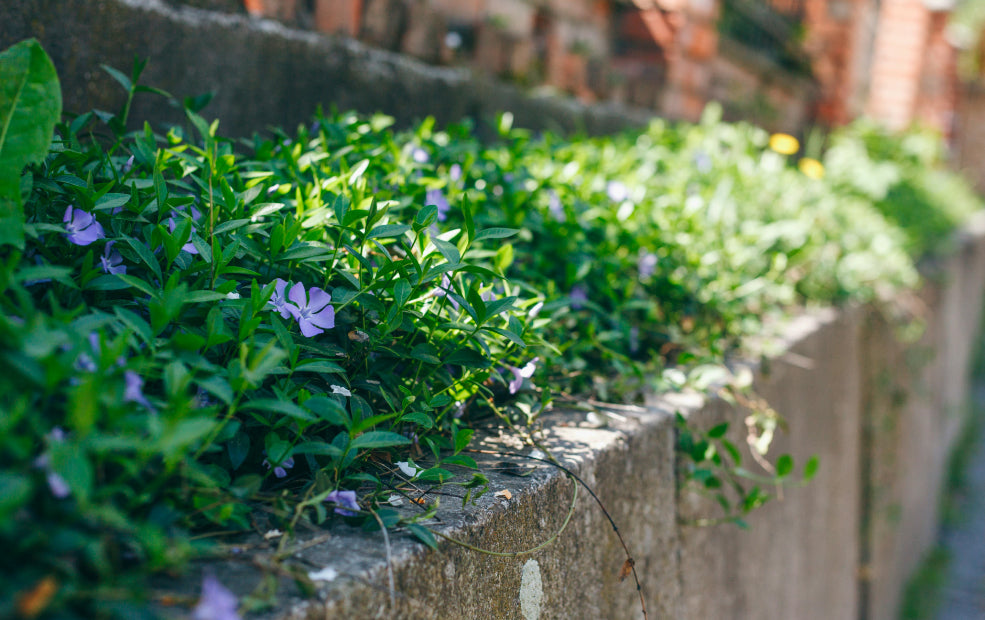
x,y
469,358
119,77
495,233
462,438
284,407
423,534
388,230
329,410
784,465
30,105
378,439
448,250
718,431
810,467
238,447
14,492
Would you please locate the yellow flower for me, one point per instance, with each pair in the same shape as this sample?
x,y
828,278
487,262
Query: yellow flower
x,y
811,167
784,144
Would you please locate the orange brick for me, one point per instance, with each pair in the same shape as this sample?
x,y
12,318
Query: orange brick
x,y
338,16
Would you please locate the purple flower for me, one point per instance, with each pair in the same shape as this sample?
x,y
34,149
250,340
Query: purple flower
x,y
281,470
57,485
420,155
647,264
455,172
111,260
216,602
59,488
578,297
519,374
189,246
702,161
134,392
313,312
444,289
128,165
554,205
81,228
436,198
617,191
278,300
344,499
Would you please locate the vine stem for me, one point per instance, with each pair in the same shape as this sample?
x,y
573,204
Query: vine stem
x,y
514,554
389,560
629,557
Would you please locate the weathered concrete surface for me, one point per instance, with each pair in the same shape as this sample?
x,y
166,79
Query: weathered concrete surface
x,y
914,409
264,73
626,463
798,559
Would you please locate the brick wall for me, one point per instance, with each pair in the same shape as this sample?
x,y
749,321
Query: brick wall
x,y
889,59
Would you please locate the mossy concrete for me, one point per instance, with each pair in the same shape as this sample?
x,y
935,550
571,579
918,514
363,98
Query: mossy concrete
x,y
265,74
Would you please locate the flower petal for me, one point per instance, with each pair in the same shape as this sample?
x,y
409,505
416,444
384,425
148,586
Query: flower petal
x,y
308,328
318,299
297,295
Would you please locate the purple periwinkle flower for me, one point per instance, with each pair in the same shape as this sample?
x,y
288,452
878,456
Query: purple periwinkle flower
x,y
81,227
554,205
442,291
647,264
216,602
134,391
128,165
281,470
436,198
420,155
455,172
189,246
313,312
56,484
111,260
578,297
344,500
278,301
702,161
519,374
617,191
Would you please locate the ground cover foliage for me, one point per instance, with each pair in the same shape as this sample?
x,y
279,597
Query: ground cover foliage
x,y
197,329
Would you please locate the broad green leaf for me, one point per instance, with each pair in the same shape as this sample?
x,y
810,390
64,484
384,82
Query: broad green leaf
x,y
784,465
284,407
378,439
495,233
388,230
423,534
810,467
30,105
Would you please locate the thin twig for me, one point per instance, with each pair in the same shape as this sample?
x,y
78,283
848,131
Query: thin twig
x,y
629,557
